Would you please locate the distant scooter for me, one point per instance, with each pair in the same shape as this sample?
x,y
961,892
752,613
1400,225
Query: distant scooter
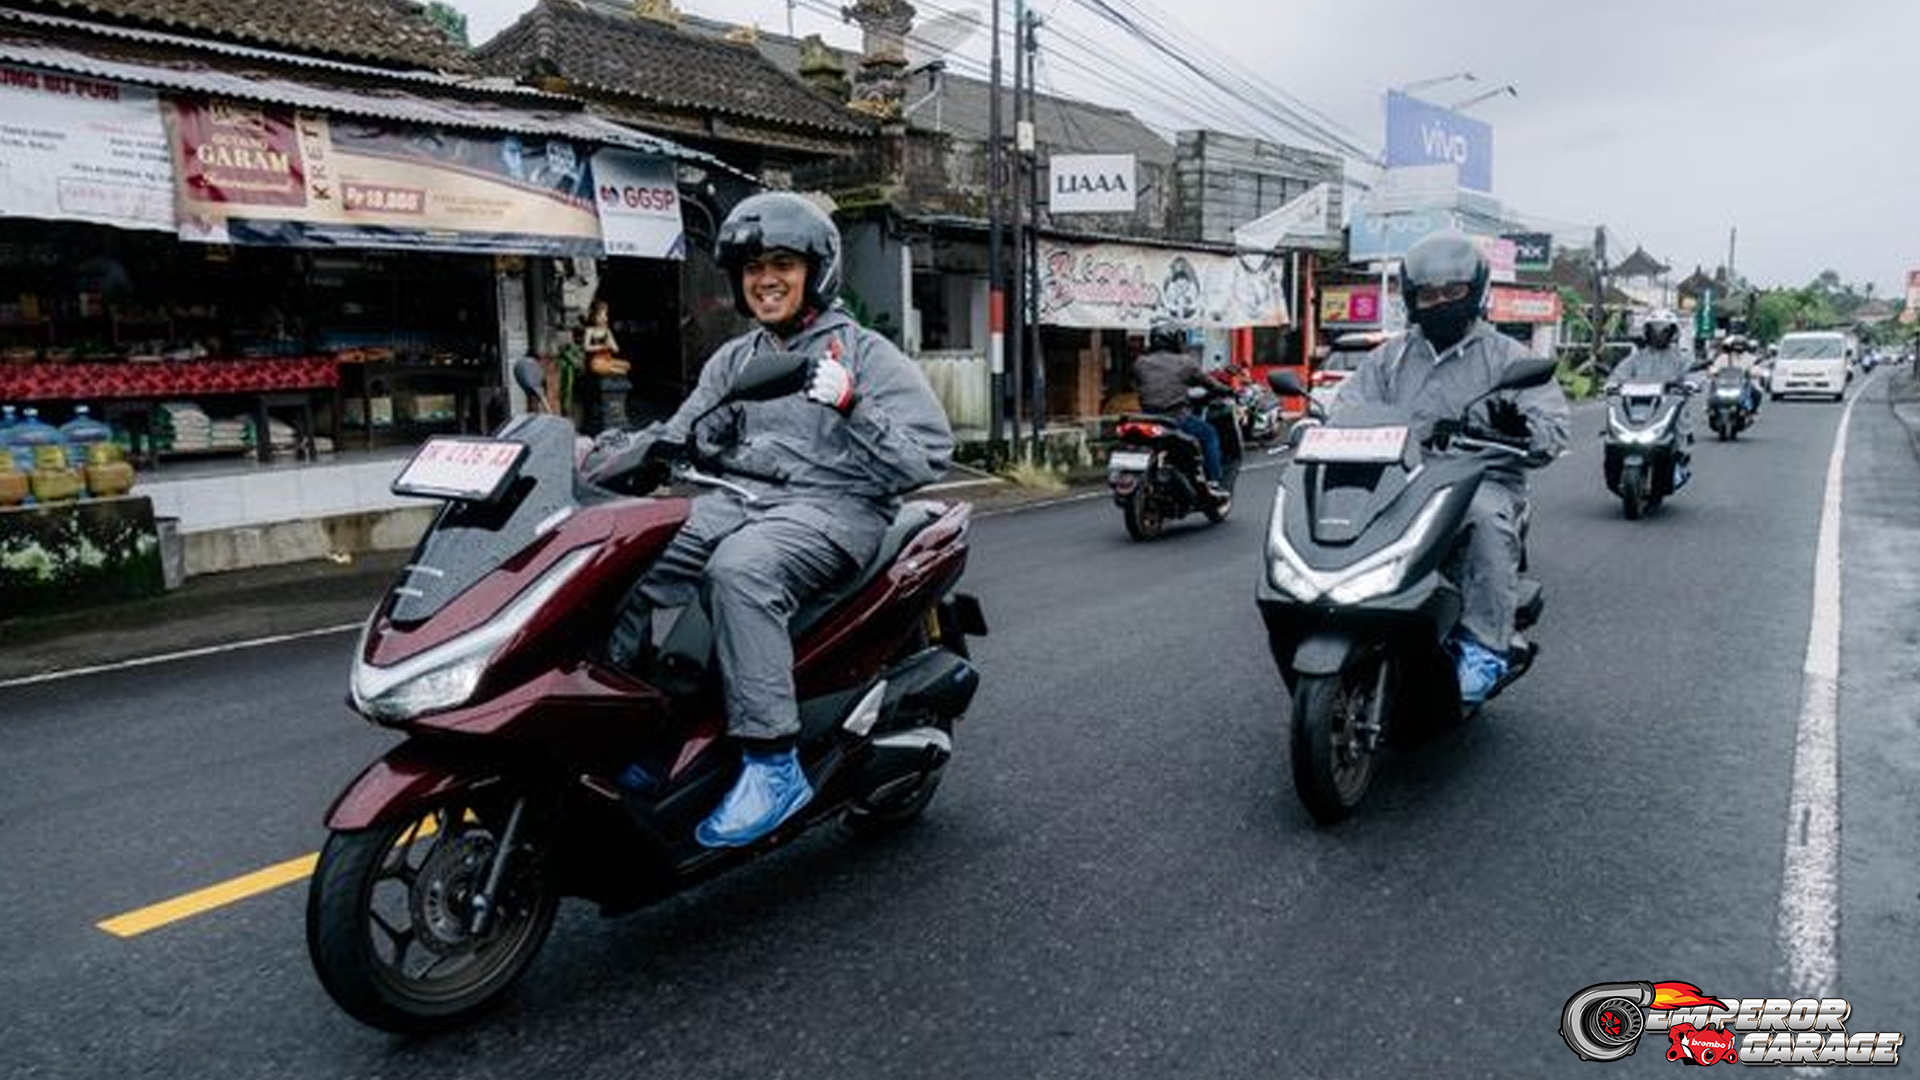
x,y
1732,403
1646,456
1157,473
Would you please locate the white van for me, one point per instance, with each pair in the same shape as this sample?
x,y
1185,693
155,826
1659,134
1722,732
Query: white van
x,y
1813,362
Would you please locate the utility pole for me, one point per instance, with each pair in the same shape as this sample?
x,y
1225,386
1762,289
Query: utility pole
x,y
1036,353
996,272
1599,297
1019,290
1733,235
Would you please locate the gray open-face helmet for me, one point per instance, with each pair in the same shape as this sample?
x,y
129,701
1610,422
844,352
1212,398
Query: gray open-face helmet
x,y
781,220
1450,263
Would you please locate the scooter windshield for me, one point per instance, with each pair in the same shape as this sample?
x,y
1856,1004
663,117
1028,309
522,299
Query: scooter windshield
x,y
468,541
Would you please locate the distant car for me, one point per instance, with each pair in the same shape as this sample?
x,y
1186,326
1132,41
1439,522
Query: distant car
x,y
1343,358
1813,362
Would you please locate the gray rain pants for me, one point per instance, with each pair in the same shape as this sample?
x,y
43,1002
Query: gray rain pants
x,y
1490,570
753,567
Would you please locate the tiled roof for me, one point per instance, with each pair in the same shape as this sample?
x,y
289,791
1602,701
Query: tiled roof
x,y
1640,264
391,33
626,56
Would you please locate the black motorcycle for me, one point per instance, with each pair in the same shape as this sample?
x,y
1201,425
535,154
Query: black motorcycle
x,y
1732,403
1360,594
1646,453
1157,473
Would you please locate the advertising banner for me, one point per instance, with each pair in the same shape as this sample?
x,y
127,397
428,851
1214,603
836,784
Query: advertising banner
x,y
1092,184
1532,251
1501,257
252,174
1350,304
1388,236
1122,287
1422,133
1524,306
639,205
82,150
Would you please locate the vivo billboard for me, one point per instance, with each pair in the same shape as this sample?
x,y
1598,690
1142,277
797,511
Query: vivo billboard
x,y
1421,133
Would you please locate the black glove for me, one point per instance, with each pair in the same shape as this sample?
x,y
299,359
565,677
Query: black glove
x,y
617,453
1443,433
1504,417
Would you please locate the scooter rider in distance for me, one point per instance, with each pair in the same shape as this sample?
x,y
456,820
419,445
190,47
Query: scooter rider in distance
x,y
836,462
1448,359
1657,359
1163,375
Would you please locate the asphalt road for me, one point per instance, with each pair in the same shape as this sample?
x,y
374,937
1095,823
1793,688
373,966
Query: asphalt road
x,y
1116,880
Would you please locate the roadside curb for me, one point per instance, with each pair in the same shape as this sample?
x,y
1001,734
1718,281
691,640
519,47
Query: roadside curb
x,y
1903,398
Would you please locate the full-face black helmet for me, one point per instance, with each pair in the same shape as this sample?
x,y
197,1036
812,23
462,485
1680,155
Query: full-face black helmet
x,y
1443,281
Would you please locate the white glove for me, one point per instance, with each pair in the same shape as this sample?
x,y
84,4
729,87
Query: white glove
x,y
832,385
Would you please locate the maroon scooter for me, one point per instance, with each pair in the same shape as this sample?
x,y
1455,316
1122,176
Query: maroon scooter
x,y
533,769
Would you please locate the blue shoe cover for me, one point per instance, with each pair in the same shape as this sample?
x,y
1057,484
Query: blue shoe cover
x,y
1480,670
770,790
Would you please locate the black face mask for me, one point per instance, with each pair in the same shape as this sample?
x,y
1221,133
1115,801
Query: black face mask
x,y
1444,324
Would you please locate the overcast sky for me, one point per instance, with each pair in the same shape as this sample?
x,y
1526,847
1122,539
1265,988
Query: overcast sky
x,y
1670,121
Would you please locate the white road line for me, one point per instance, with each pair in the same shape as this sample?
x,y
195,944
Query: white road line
x,y
167,658
1810,885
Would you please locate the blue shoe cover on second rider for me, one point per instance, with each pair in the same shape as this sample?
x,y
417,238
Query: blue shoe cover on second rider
x,y
1480,670
771,789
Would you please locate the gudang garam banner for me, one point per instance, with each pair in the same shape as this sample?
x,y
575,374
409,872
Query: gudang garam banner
x,y
75,149
250,174
1122,287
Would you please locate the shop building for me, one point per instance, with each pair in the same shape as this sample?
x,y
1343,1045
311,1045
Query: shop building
x,y
277,243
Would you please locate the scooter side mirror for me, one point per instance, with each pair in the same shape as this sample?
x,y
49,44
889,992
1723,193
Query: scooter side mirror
x,y
532,379
1286,383
771,375
1526,374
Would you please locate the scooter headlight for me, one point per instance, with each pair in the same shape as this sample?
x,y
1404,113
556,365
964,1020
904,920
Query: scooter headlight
x,y
1378,575
447,674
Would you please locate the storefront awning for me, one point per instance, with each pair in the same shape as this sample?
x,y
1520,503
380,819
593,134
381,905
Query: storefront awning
x,y
405,97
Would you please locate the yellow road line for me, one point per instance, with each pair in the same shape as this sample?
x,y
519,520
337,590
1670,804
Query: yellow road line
x,y
201,901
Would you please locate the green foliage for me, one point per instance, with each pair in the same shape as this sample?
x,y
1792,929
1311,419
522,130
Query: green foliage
x,y
450,21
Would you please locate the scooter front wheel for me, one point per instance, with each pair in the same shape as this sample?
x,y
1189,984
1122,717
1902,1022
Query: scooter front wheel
x,y
1333,739
391,925
1633,492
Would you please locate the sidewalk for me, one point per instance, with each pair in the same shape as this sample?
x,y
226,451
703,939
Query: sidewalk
x,y
210,610
1903,393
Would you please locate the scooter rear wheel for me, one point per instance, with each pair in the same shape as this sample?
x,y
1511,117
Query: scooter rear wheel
x,y
1333,757
389,910
1144,519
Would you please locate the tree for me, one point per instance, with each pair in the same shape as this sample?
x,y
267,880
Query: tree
x,y
450,21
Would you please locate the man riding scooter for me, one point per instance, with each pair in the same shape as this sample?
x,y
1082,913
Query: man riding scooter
x,y
1447,360
1657,358
829,468
1164,374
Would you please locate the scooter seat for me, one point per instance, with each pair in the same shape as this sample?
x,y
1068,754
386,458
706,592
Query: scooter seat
x,y
688,647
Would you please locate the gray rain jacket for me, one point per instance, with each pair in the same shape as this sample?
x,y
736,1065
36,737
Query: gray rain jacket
x,y
1404,372
895,439
1645,365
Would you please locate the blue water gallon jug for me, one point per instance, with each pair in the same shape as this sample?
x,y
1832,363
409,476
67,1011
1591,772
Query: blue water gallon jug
x,y
81,432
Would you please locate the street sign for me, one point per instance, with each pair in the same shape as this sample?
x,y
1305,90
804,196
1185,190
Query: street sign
x,y
1531,251
1388,236
1092,184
